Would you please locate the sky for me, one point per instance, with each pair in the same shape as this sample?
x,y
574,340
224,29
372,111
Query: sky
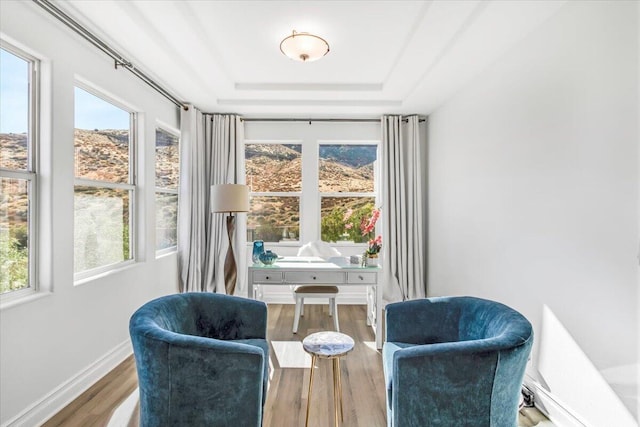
x,y
14,93
91,112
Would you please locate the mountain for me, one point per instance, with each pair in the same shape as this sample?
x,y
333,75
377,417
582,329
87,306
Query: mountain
x,y
103,155
273,168
13,151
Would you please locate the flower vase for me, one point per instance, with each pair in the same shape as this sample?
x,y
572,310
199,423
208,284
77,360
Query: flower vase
x,y
371,260
258,249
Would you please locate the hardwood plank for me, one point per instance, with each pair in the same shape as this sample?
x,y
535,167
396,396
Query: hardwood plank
x,y
362,379
95,406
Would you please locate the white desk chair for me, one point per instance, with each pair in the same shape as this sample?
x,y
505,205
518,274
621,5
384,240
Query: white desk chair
x,y
315,291
323,250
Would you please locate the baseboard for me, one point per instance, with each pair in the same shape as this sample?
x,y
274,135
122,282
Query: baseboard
x,y
551,407
52,403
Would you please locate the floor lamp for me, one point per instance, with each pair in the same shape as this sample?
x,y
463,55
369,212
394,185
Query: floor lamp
x,y
230,198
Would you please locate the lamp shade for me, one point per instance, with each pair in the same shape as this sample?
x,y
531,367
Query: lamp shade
x,y
304,47
229,198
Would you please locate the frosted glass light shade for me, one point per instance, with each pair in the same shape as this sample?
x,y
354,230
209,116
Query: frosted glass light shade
x,y
229,198
304,47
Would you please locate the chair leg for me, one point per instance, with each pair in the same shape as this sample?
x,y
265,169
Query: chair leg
x,y
302,307
296,316
331,306
335,314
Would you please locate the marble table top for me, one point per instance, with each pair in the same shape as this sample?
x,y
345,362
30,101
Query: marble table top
x,y
328,344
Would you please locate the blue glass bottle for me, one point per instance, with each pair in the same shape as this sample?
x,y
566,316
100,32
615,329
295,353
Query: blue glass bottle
x,y
258,249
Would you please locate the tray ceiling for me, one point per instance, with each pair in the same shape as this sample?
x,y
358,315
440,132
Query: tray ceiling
x,y
386,56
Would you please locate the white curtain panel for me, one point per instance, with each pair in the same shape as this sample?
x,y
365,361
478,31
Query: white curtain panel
x,y
404,201
209,152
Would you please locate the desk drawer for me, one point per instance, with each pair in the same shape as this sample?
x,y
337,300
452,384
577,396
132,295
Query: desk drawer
x,y
295,277
361,277
267,277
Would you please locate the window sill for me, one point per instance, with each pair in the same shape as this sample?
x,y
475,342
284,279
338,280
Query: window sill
x,y
163,253
127,265
25,299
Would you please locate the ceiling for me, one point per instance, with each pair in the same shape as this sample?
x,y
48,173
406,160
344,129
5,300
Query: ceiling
x,y
386,56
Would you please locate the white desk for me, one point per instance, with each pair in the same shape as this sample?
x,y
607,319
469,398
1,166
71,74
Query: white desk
x,y
307,270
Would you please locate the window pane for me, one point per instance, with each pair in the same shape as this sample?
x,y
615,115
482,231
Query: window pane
x,y
101,139
274,167
166,220
14,104
167,160
14,234
274,219
101,221
347,168
342,216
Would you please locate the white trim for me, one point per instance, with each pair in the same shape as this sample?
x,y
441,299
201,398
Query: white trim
x,y
349,141
65,393
87,276
168,128
21,296
273,141
552,407
30,174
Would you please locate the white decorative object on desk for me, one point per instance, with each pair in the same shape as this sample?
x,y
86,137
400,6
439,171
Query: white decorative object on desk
x,y
372,262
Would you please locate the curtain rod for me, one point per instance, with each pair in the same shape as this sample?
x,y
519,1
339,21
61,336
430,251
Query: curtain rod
x,y
267,119
119,60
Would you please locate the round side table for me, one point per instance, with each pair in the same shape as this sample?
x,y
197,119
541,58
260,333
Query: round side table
x,y
328,345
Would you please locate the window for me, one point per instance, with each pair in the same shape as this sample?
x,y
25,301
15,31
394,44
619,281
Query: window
x,y
104,184
336,195
167,174
274,177
346,182
18,186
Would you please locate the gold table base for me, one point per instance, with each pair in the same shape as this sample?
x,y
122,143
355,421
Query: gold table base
x,y
328,345
337,390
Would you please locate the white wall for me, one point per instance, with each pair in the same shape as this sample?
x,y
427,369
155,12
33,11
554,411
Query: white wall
x,y
52,347
534,182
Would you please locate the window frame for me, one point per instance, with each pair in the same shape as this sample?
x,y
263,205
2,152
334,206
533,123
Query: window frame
x,y
31,174
373,194
88,275
298,194
162,190
310,196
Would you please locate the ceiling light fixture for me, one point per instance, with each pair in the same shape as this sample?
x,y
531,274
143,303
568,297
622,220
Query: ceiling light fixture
x,y
304,47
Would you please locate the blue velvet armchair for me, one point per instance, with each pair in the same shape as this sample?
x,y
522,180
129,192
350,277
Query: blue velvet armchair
x,y
202,359
454,361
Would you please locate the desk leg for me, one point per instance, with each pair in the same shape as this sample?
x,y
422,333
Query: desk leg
x,y
371,304
257,293
379,330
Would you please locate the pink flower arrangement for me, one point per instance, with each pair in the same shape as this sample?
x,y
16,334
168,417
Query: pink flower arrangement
x,y
374,246
368,225
346,217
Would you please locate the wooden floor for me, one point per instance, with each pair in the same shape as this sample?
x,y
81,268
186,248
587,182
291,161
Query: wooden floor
x,y
113,402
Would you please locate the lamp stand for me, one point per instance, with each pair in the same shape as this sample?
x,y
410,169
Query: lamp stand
x,y
230,271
